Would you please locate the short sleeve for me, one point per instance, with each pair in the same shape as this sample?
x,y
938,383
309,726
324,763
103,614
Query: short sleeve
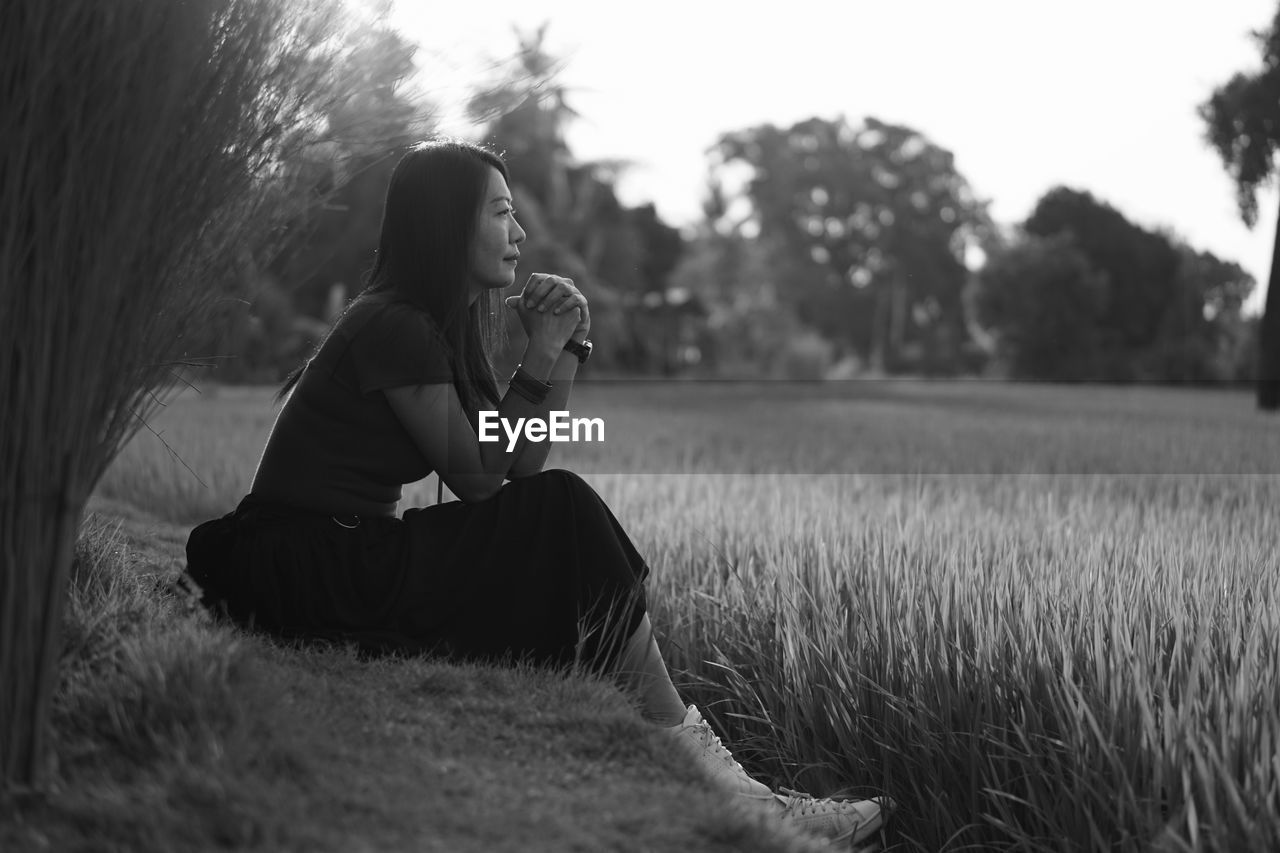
x,y
397,345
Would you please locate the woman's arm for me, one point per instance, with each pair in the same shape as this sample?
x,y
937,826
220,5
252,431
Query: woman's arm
x,y
433,415
554,295
532,455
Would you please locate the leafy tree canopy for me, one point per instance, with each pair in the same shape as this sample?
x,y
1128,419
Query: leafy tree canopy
x,y
878,209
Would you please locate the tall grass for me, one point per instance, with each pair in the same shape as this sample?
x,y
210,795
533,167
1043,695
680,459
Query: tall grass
x,y
140,142
1019,671
135,679
1040,619
157,720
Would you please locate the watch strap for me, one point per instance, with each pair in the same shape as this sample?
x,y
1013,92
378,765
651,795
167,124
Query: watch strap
x,y
581,350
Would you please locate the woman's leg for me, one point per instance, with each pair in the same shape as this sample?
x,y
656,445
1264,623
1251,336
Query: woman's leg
x,y
644,674
642,671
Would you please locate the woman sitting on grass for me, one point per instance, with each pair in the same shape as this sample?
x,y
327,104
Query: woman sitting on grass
x,y
536,566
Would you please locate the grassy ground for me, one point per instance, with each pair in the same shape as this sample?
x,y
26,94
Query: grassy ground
x,y
1042,618
177,734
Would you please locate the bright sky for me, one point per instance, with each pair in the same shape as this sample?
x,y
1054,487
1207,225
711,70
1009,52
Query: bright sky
x,y
1099,95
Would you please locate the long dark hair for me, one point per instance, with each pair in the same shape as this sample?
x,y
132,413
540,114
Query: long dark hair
x,y
424,258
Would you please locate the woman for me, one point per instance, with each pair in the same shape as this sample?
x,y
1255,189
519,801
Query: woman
x,y
536,566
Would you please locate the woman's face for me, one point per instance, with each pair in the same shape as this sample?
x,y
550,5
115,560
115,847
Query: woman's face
x,y
498,235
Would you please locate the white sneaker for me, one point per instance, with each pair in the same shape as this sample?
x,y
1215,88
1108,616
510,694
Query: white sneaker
x,y
695,737
851,821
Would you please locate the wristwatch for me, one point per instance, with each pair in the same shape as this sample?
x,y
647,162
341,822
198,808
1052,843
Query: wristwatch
x,y
581,350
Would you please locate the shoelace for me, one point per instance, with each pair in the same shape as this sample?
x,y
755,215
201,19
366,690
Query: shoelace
x,y
807,804
712,741
797,803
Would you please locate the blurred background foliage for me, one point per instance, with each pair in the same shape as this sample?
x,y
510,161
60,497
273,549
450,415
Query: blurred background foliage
x,y
827,249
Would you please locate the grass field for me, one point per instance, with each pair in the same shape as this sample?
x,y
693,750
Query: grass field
x,y
1039,617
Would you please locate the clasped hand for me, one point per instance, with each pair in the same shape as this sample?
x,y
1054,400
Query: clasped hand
x,y
552,309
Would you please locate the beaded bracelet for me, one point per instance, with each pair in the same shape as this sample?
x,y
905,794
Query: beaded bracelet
x,y
533,390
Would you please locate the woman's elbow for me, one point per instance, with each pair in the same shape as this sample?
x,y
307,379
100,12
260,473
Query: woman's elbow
x,y
473,489
517,471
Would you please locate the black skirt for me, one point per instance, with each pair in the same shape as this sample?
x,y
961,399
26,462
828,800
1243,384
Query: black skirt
x,y
542,571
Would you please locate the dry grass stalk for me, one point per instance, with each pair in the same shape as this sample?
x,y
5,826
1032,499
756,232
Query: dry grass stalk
x,y
141,140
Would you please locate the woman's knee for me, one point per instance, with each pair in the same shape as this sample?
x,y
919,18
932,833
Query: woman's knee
x,y
561,474
563,478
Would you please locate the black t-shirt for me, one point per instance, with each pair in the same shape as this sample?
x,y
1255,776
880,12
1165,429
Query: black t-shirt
x,y
337,446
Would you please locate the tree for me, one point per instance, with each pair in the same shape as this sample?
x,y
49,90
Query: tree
x,y
1140,267
141,140
871,226
1202,325
1044,304
1243,126
1083,293
333,236
576,224
747,329
330,215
